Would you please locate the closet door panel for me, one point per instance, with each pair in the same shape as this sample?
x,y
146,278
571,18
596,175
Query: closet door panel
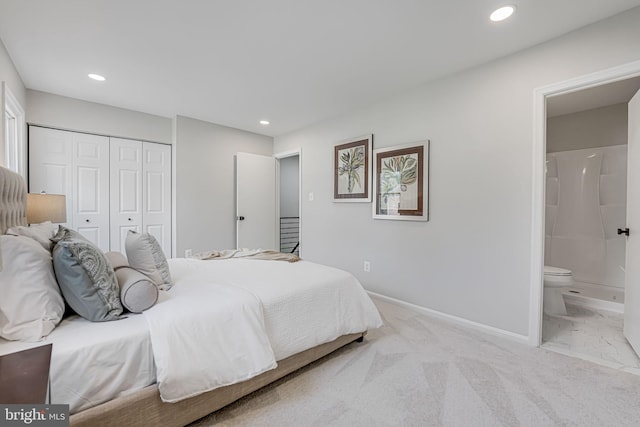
x,y
91,188
51,164
157,193
126,190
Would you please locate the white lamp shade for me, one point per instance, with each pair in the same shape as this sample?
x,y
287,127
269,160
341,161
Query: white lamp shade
x,y
46,207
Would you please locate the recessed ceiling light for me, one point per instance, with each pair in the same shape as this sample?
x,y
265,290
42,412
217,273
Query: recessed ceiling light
x,y
264,122
502,13
97,77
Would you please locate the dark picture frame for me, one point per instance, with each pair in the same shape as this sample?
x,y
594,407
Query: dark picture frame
x,y
352,170
401,182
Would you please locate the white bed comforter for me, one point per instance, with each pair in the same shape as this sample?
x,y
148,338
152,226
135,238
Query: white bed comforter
x,y
246,314
204,336
305,304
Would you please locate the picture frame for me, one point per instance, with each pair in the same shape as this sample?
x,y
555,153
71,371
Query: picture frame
x,y
352,170
401,182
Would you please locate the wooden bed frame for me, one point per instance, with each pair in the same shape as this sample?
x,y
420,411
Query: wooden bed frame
x,y
144,407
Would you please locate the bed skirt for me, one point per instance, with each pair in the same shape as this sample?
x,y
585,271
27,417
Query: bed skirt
x,y
144,408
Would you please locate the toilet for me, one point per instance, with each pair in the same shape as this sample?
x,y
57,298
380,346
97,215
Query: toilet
x,y
556,281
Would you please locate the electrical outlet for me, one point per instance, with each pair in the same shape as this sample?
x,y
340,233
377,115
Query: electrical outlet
x,y
311,197
188,253
366,266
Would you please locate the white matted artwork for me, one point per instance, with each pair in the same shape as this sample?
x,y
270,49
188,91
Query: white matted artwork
x,y
352,170
401,182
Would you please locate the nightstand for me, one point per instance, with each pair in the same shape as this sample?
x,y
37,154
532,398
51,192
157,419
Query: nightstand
x,y
24,375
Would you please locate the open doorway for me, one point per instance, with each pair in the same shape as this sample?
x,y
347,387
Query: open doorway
x,y
289,181
580,202
268,201
289,173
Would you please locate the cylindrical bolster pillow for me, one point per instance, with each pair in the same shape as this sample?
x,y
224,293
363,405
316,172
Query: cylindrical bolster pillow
x,y
137,291
116,259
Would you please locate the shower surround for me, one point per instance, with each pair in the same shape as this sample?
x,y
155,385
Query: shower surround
x,y
586,198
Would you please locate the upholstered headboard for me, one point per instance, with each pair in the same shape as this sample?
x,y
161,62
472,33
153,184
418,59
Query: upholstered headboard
x,y
13,200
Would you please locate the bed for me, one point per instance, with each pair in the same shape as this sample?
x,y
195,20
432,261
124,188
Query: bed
x,y
307,311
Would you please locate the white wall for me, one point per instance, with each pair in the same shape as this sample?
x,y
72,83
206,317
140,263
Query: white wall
x,y
599,127
205,182
61,112
472,259
9,74
289,187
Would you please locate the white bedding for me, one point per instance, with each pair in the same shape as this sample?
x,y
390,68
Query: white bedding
x,y
92,363
96,362
206,336
305,304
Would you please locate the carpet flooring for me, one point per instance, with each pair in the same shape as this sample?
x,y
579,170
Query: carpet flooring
x,y
418,370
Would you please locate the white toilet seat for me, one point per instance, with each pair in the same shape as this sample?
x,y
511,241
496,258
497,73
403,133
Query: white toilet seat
x,y
555,278
556,271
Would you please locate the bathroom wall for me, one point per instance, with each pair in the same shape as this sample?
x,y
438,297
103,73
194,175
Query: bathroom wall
x,y
585,205
598,127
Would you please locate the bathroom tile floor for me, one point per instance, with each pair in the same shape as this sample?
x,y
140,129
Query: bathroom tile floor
x,y
590,334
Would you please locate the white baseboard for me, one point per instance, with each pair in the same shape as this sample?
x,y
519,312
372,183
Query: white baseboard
x,y
523,339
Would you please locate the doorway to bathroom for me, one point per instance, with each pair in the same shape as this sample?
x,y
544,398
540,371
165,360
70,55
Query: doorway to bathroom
x,y
584,210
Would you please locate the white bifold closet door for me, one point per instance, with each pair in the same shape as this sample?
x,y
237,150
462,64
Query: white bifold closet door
x,y
112,185
76,165
126,190
140,191
156,193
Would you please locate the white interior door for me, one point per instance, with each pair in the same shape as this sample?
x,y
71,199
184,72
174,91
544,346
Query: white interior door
x,y
126,190
256,226
632,277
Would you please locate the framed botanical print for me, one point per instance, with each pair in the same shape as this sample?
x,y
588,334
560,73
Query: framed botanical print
x,y
401,182
352,170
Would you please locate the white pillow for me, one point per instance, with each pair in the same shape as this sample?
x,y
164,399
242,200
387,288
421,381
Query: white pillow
x,y
30,301
145,255
41,233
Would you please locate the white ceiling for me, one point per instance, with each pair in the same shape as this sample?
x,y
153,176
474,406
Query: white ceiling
x,y
293,62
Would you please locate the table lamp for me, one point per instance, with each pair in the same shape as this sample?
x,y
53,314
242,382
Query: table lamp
x,y
46,207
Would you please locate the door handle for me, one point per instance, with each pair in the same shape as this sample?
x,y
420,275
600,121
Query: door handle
x,y
240,218
623,231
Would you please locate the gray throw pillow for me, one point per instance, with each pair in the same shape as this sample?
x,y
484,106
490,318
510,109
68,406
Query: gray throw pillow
x,y
145,255
86,279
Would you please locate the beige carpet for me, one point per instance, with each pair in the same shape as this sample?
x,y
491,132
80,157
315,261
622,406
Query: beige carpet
x,y
422,371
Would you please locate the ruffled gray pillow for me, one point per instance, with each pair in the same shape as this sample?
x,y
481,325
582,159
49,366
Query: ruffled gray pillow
x,y
86,279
